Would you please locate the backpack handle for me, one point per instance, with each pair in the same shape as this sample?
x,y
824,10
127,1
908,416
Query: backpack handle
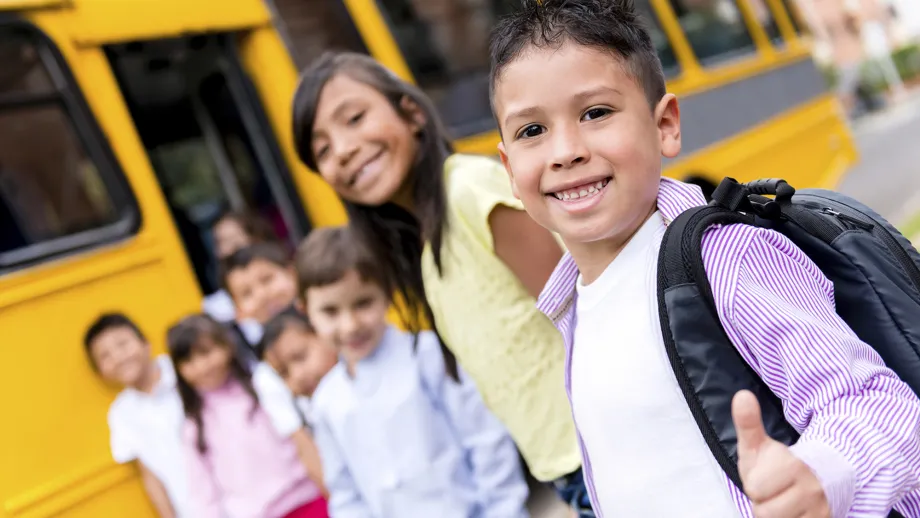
x,y
749,197
772,186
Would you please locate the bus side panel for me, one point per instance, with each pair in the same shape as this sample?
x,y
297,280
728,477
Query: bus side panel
x,y
54,441
810,146
271,68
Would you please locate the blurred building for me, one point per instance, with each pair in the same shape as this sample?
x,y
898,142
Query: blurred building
x,y
850,31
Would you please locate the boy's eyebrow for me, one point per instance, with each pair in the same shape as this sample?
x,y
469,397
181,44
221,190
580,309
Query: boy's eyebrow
x,y
595,91
523,113
582,96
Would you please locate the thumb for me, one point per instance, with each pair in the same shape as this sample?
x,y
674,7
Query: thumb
x,y
748,426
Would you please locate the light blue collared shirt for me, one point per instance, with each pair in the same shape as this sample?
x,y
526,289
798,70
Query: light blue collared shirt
x,y
403,440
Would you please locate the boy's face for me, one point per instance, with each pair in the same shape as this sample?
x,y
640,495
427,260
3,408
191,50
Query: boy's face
x,y
121,356
350,314
580,143
302,359
261,290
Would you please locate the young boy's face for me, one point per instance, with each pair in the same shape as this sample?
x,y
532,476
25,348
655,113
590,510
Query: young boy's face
x,y
350,314
302,359
261,290
580,143
121,356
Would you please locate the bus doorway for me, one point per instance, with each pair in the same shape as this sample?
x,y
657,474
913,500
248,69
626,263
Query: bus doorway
x,y
208,140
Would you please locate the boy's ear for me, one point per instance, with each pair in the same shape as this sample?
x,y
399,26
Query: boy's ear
x,y
507,164
667,116
300,304
413,112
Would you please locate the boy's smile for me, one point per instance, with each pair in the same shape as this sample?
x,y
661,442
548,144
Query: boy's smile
x,y
582,146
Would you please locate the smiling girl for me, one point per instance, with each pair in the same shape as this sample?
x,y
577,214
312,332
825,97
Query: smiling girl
x,y
453,241
238,465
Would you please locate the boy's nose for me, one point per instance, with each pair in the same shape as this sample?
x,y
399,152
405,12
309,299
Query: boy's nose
x,y
568,150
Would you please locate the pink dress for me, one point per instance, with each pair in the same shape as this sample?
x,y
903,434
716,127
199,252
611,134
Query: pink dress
x,y
248,470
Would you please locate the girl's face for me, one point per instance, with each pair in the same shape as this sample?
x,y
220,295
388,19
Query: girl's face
x,y
208,365
363,147
229,237
302,359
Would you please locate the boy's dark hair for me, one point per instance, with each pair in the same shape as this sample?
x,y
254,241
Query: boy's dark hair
x,y
280,323
329,253
104,323
242,258
182,340
608,25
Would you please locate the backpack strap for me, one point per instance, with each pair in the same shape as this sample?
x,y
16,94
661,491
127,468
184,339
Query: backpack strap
x,y
707,366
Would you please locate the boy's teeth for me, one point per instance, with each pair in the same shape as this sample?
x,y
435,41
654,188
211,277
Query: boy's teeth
x,y
584,192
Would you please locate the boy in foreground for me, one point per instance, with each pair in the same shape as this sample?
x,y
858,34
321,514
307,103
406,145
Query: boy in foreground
x,y
584,156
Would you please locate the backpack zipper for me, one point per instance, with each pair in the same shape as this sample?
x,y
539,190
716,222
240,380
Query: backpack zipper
x,y
907,264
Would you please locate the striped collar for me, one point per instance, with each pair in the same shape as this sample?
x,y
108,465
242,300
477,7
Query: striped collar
x,y
674,197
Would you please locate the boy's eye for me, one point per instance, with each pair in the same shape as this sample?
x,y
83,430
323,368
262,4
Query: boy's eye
x,y
321,152
363,303
531,131
596,113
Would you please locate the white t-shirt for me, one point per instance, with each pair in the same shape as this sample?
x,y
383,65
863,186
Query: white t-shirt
x,y
276,400
647,455
148,428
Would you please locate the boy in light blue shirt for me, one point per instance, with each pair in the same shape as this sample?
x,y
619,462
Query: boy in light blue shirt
x,y
398,437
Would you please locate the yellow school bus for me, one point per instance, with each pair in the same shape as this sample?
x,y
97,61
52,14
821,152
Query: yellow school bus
x,y
126,126
753,102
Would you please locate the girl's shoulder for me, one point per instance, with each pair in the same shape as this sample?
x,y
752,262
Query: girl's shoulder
x,y
475,184
470,171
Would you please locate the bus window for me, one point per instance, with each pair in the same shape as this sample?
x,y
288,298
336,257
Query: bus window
x,y
207,140
55,192
310,28
766,20
446,45
794,14
714,28
659,38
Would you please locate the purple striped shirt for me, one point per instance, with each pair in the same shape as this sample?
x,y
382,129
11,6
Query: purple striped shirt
x,y
859,423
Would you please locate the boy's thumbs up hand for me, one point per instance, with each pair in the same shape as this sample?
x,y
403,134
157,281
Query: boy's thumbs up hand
x,y
777,482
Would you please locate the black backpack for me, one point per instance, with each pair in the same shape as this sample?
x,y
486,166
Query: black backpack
x,y
876,276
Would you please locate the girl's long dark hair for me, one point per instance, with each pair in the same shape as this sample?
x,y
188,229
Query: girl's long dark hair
x,y
395,236
183,338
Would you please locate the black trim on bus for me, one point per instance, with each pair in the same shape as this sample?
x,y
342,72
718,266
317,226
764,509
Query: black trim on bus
x,y
253,104
97,148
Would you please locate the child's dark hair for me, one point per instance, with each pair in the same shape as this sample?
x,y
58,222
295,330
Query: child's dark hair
x,y
274,328
104,323
607,25
395,237
242,258
182,339
329,253
255,226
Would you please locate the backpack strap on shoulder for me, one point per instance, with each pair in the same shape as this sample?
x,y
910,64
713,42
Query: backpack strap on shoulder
x,y
707,367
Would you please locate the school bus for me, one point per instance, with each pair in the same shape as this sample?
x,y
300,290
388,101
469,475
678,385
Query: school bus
x,y
126,126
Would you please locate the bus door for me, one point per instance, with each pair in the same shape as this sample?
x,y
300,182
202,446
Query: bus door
x,y
208,140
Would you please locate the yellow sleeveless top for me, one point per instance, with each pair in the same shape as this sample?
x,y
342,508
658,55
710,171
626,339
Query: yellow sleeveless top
x,y
490,322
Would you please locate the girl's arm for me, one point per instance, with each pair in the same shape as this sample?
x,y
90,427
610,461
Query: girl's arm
x,y
492,454
156,492
344,498
309,455
203,493
528,249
